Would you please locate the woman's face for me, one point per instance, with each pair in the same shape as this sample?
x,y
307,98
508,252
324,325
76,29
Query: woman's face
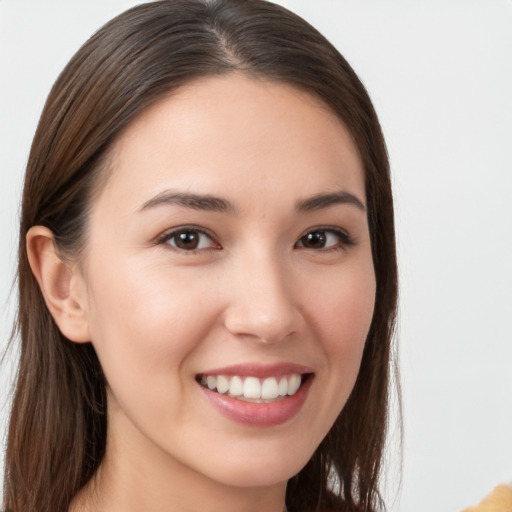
x,y
229,249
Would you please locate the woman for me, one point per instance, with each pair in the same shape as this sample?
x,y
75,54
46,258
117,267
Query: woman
x,y
207,273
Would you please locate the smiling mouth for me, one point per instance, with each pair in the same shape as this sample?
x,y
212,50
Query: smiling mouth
x,y
254,389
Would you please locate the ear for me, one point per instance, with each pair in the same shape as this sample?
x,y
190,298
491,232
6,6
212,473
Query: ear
x,y
61,284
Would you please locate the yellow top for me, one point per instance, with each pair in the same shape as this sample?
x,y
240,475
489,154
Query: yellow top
x,y
500,500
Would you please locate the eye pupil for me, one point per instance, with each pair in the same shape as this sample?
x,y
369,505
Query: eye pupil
x,y
314,240
187,240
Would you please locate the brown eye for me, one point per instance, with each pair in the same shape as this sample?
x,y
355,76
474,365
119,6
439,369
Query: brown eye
x,y
314,240
190,240
323,239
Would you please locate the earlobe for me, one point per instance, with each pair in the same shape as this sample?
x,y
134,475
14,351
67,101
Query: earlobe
x,y
58,282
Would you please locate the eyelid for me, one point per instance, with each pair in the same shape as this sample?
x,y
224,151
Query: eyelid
x,y
170,233
346,240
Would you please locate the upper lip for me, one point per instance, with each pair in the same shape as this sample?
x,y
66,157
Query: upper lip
x,y
260,370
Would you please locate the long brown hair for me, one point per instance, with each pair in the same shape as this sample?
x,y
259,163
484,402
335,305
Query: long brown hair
x,y
57,431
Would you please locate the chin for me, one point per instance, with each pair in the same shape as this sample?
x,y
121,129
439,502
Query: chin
x,y
255,477
262,471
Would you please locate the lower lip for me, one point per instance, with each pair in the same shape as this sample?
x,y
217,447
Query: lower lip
x,y
260,414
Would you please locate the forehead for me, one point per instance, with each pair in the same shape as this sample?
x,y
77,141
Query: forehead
x,y
216,134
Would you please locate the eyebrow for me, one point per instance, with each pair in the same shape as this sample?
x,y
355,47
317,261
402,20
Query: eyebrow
x,y
194,201
321,201
217,204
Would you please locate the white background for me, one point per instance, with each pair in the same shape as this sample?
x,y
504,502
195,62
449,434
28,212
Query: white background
x,y
440,75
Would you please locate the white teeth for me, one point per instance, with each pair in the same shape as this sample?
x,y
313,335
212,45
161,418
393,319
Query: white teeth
x,y
283,386
222,384
211,382
293,384
269,389
252,388
236,386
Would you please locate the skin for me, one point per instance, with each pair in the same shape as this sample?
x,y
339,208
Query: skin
x,y
252,292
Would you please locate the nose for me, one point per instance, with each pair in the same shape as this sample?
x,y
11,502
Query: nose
x,y
262,304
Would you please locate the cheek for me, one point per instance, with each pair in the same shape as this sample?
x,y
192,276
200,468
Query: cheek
x,y
344,306
144,322
144,304
343,319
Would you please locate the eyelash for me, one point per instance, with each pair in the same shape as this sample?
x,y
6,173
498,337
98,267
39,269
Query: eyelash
x,y
344,239
167,237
